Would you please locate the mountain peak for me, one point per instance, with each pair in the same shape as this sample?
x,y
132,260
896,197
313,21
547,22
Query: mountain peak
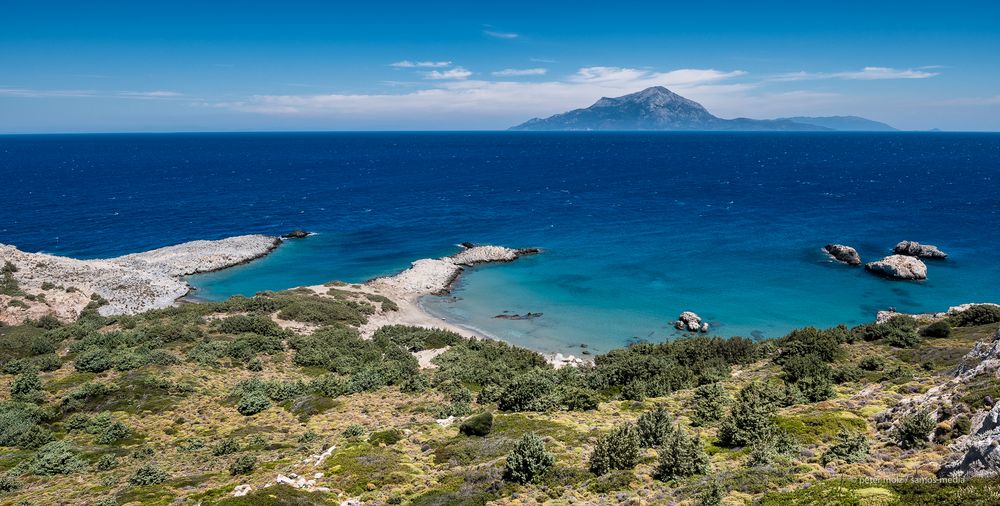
x,y
657,108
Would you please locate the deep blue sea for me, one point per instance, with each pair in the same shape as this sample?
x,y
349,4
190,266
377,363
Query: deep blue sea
x,y
636,227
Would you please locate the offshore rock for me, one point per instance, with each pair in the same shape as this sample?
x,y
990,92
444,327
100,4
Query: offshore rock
x,y
915,249
690,322
296,234
899,267
845,254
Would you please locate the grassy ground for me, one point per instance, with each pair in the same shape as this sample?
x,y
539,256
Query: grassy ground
x,y
179,413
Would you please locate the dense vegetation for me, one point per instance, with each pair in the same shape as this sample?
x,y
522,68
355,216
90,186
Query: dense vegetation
x,y
194,400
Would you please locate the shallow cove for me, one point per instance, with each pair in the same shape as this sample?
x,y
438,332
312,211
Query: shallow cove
x,y
636,227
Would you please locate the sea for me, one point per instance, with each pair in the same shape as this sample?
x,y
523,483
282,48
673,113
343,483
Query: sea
x,y
635,227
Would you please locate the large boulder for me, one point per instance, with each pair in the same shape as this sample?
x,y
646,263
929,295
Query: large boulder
x,y
690,322
898,267
979,455
845,254
915,249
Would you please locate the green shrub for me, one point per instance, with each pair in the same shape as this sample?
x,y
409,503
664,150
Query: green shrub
x,y
414,384
106,462
9,285
531,391
226,447
114,432
770,447
26,387
244,464
57,457
578,399
386,437
617,450
654,427
417,338
9,483
872,363
712,495
710,403
823,344
529,461
981,314
477,425
252,403
93,360
634,390
849,447
914,430
847,373
252,324
329,385
750,416
19,426
940,328
680,456
247,346
147,474
354,430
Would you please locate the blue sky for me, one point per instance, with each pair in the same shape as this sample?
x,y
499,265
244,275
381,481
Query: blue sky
x,y
111,66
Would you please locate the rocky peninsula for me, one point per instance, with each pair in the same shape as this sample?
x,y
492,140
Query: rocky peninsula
x,y
128,284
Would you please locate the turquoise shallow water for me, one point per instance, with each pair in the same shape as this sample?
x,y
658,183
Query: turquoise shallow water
x,y
636,227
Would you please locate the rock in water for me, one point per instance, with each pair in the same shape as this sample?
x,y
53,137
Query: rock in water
x,y
296,234
899,267
690,322
915,249
845,254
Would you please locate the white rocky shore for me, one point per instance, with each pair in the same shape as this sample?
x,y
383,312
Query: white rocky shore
x,y
130,284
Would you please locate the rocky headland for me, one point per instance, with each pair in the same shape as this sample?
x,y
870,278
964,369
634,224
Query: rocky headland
x,y
129,284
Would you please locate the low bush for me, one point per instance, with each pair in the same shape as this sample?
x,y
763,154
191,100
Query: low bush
x,y
147,474
386,437
252,324
93,360
914,429
477,425
244,464
850,447
354,430
654,427
981,314
529,461
417,338
57,457
940,328
252,403
680,456
26,387
750,416
616,450
710,403
226,447
106,462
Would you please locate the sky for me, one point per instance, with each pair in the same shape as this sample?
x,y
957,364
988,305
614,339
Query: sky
x,y
154,66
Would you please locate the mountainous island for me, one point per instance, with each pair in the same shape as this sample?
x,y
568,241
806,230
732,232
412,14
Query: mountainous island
x,y
658,108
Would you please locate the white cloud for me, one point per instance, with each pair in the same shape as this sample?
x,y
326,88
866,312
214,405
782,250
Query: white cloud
x,y
455,100
151,94
973,101
407,64
520,72
455,73
865,74
501,35
30,93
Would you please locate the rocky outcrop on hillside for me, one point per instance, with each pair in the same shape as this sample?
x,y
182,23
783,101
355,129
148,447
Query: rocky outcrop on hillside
x,y
915,249
899,267
844,254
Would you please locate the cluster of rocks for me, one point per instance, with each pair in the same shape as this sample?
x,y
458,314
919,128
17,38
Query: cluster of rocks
x,y
978,453
690,322
904,263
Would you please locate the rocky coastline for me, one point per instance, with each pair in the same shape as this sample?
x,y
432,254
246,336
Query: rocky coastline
x,y
128,284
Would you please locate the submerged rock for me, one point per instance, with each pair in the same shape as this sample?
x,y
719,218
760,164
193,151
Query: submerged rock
x,y
915,249
690,322
899,267
845,254
526,316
